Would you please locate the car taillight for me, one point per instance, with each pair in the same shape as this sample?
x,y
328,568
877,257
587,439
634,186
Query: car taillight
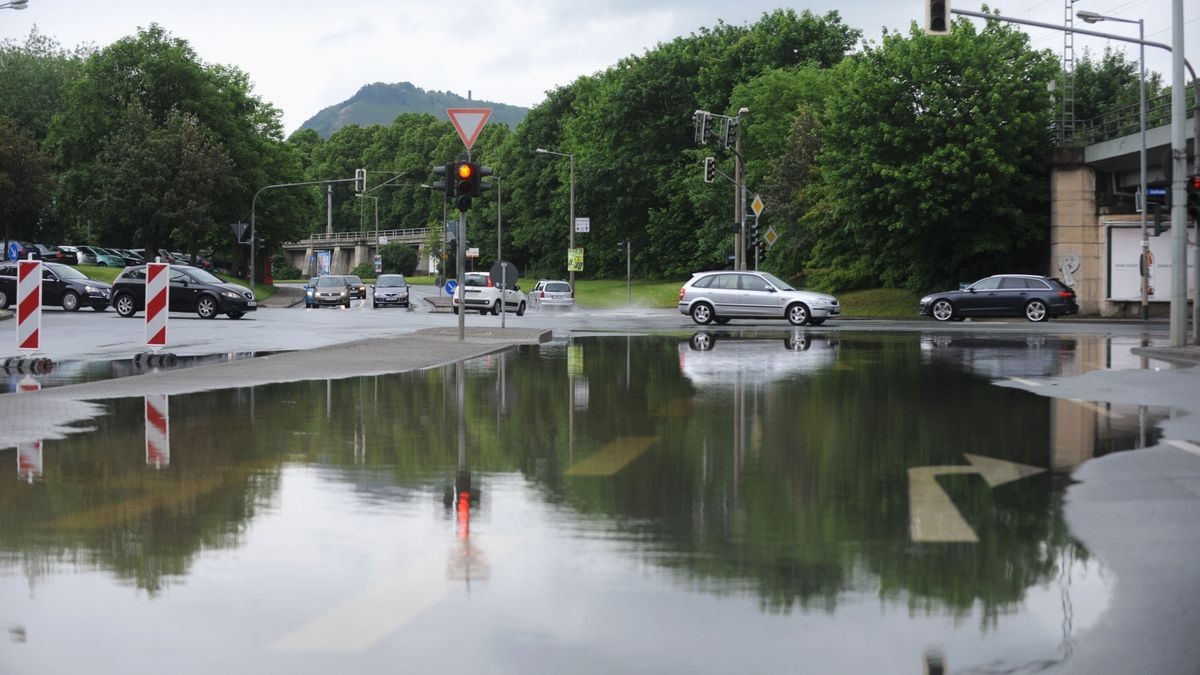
x,y
682,290
489,282
1066,295
541,294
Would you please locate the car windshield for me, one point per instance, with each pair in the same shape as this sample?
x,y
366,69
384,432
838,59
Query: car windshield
x,y
475,281
391,281
330,282
354,280
204,277
777,282
67,272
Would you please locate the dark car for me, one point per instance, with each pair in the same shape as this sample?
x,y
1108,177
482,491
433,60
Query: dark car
x,y
191,290
62,285
330,289
390,289
1036,298
128,256
356,283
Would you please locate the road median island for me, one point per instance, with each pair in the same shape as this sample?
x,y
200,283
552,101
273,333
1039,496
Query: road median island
x,y
57,411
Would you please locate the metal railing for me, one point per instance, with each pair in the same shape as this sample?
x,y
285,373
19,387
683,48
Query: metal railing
x,y
418,233
1124,121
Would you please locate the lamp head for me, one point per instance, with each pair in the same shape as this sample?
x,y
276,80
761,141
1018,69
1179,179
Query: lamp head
x,y
1090,17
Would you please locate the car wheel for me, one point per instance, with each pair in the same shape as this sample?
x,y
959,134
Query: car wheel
x,y
102,264
496,308
3,300
942,310
1035,310
124,306
702,342
797,314
235,315
702,313
346,304
206,307
70,301
521,309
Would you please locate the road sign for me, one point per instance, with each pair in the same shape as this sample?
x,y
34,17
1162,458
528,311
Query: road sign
x,y
473,253
583,224
468,122
157,290
504,273
14,250
771,236
378,264
29,305
757,206
239,229
574,260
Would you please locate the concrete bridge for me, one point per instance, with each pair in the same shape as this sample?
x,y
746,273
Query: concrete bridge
x,y
1095,228
347,250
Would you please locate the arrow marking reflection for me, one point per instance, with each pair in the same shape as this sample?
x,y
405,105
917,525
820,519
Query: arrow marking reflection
x,y
933,517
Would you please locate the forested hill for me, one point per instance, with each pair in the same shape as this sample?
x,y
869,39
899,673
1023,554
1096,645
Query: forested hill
x,y
380,103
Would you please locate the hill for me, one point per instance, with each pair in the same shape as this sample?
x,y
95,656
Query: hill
x,y
380,103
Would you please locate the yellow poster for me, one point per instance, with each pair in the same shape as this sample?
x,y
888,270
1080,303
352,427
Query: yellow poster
x,y
574,260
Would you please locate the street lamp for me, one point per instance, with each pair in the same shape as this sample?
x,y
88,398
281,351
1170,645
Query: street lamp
x,y
15,4
1093,17
571,215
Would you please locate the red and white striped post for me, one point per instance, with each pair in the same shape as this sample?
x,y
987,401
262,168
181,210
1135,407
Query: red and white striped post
x,y
158,431
29,453
157,288
29,305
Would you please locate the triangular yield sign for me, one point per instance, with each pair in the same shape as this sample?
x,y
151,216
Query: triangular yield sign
x,y
468,122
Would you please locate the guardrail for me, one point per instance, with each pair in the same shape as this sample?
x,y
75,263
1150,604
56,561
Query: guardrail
x,y
347,237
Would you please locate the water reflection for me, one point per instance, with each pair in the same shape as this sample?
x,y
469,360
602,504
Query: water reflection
x,y
748,489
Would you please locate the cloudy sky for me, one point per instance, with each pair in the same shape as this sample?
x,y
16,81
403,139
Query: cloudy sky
x,y
303,56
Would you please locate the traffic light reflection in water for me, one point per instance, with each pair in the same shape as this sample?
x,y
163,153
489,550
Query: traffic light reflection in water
x,y
604,504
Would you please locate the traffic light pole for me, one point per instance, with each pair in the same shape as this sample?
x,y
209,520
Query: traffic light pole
x,y
461,249
739,211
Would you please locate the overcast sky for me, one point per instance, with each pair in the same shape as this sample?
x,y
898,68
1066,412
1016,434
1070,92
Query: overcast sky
x,y
303,56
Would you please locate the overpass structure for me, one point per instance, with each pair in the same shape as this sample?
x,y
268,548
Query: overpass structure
x,y
341,252
1095,227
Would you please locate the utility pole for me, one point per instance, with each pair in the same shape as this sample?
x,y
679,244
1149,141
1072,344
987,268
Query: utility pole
x,y
739,215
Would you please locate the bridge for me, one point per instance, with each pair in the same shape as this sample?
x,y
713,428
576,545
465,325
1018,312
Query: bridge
x,y
347,250
1095,228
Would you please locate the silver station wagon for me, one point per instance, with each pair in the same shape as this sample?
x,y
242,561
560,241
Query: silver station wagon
x,y
721,296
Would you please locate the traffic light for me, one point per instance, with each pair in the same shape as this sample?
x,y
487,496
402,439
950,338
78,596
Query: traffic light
x,y
360,180
621,247
705,127
482,186
1193,198
1160,220
466,178
710,169
937,17
443,183
754,233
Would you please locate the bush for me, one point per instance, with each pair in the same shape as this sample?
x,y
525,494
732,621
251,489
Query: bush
x,y
399,259
280,269
363,270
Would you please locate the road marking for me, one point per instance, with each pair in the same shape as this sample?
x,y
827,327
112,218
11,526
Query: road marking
x,y
933,517
613,457
1185,446
1023,381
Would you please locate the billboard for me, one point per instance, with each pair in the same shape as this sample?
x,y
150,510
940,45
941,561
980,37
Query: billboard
x,y
1124,249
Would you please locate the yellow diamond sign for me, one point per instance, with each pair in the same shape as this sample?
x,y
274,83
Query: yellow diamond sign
x,y
771,236
757,206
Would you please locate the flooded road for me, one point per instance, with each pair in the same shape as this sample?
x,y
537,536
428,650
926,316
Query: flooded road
x,y
725,501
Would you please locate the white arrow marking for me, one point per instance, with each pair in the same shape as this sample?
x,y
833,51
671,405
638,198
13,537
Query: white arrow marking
x,y
932,516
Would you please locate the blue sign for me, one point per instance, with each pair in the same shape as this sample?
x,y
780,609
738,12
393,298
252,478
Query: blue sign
x,y
14,250
450,286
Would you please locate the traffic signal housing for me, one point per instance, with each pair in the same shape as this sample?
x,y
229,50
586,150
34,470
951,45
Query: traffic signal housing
x,y
443,182
1193,198
1160,221
466,178
710,169
482,186
360,180
937,17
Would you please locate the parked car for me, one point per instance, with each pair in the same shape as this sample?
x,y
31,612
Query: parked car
x,y
1036,298
128,256
356,283
80,257
101,257
62,285
556,294
191,290
722,296
390,289
193,260
482,295
329,289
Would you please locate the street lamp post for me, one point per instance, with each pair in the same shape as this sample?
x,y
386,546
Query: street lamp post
x,y
15,4
571,215
1093,17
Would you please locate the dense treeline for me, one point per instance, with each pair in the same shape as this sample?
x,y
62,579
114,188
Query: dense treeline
x,y
915,161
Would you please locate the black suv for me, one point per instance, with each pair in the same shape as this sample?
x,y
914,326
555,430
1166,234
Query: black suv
x,y
191,290
61,285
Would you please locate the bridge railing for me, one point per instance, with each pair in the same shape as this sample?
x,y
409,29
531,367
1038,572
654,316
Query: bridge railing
x,y
319,238
1125,121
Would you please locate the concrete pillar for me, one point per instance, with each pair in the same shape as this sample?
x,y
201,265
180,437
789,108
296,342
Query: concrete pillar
x,y
1076,251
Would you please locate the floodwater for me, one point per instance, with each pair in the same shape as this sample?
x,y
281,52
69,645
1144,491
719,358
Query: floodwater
x,y
729,501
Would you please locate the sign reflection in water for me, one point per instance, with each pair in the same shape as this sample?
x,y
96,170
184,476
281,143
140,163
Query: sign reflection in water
x,y
753,508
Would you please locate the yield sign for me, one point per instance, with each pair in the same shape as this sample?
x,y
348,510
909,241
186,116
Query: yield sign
x,y
468,122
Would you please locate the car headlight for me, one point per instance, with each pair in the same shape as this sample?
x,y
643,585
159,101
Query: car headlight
x,y
344,293
925,300
91,290
231,294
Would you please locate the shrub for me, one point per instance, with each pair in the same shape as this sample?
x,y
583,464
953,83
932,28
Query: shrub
x,y
363,270
399,259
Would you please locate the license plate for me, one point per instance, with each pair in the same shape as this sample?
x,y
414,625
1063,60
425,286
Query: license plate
x,y
251,303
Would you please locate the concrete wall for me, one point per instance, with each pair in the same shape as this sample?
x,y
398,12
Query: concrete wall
x,y
1077,254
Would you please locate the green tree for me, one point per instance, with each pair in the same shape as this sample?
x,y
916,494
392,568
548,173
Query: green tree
x,y
933,149
399,259
26,177
1107,84
34,76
